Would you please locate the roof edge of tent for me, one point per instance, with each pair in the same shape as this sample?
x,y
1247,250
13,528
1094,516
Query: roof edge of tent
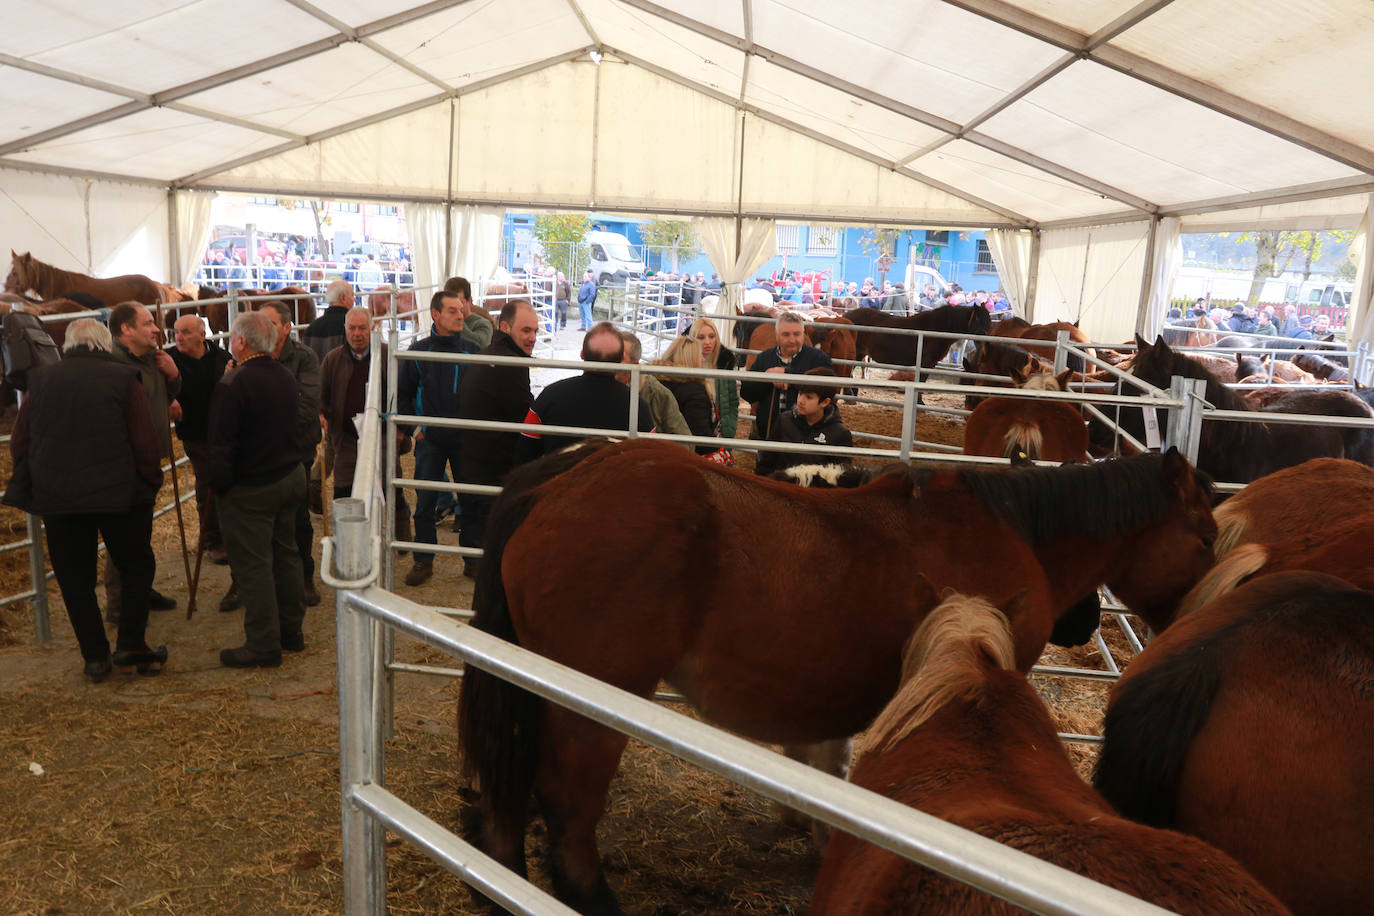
x,y
63,171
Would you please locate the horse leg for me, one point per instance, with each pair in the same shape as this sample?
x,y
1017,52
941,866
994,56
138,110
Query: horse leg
x,y
831,757
578,761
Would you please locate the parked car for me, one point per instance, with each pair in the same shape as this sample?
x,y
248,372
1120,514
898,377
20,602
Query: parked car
x,y
238,245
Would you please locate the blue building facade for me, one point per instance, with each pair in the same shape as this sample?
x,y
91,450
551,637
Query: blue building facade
x,y
961,256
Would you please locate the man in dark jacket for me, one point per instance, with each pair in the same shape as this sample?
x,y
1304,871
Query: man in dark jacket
x,y
201,364
595,400
137,341
490,392
586,298
326,332
430,389
86,458
791,356
259,480
814,420
305,369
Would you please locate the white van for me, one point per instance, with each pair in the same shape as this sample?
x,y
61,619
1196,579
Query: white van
x,y
612,254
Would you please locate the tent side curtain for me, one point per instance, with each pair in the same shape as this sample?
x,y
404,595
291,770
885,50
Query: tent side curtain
x,y
193,232
1168,255
476,234
1362,329
1011,253
101,228
758,241
428,235
1091,276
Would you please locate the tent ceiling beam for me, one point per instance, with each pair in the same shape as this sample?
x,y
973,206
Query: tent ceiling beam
x,y
187,180
71,127
345,29
1079,222
586,23
1017,219
68,76
1295,194
230,119
1168,80
21,166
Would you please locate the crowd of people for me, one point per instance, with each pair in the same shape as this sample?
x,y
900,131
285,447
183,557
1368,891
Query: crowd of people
x,y
1262,321
91,437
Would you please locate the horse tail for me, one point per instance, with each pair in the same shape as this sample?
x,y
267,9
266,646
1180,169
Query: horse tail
x,y
1024,437
1233,524
1225,577
499,723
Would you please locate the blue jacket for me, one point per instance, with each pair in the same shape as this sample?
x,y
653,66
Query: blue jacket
x,y
430,389
586,293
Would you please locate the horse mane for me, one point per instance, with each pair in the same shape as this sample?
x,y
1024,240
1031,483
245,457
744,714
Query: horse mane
x,y
1233,523
945,659
1154,716
1092,500
1225,577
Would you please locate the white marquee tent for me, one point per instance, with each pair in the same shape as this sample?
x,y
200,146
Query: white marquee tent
x,y
1087,133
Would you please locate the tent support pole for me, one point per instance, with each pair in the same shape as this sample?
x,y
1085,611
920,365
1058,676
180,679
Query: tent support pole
x,y
173,243
1033,281
1147,282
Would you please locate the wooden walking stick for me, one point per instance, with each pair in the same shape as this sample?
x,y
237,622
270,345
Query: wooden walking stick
x,y
176,484
200,554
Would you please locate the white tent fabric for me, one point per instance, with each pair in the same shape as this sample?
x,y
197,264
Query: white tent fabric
x,y
476,241
1168,256
1227,114
193,232
1363,251
757,242
1011,252
1091,276
427,231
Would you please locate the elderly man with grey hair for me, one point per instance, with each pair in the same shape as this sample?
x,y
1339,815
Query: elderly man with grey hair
x,y
327,331
86,458
259,481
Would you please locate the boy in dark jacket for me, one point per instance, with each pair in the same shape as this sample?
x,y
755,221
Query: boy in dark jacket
x,y
814,420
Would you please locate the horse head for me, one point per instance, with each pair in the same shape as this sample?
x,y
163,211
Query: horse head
x,y
1175,549
979,320
20,270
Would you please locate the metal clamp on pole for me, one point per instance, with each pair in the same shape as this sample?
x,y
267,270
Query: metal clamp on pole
x,y
1185,425
356,556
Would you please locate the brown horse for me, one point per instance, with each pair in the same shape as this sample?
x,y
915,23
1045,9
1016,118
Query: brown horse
x,y
1199,332
969,741
1242,452
730,638
48,282
1036,429
1305,500
1023,330
301,303
1248,724
900,349
379,301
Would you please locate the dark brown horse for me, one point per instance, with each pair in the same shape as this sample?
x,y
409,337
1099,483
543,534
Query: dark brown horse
x,y
1248,723
1025,331
1241,452
731,637
900,349
48,282
969,741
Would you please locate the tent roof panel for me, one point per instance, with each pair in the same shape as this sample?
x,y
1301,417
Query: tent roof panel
x,y
691,55
1305,65
474,41
1149,142
835,113
152,143
47,27
905,51
1024,188
725,15
363,12
33,103
317,92
152,53
1086,16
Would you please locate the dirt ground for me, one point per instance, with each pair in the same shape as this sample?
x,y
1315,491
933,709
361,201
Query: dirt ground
x,y
211,791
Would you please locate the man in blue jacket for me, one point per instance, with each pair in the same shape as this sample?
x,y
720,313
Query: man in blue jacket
x,y
586,298
430,389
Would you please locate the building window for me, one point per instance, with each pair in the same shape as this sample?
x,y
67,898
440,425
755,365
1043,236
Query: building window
x,y
263,201
823,240
789,239
985,263
344,207
384,209
937,236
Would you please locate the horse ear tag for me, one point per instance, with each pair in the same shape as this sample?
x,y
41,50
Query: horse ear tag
x,y
1151,427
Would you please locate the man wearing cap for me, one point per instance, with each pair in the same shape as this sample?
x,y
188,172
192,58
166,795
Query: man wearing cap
x,y
1304,330
1240,321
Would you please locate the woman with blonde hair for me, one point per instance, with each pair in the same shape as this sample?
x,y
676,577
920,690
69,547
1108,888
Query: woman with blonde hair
x,y
724,392
692,394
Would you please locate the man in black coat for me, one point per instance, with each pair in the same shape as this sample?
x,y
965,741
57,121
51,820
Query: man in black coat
x,y
791,356
491,392
86,458
256,470
201,364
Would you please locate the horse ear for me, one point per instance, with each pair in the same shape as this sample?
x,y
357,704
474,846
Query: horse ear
x,y
1178,473
924,592
1159,342
1140,342
1018,376
1264,358
1062,379
1075,324
1014,605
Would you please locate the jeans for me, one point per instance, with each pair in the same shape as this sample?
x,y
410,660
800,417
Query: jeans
x,y
584,312
431,459
72,546
560,308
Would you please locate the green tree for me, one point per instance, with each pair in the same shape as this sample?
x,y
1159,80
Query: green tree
x,y
881,244
677,238
563,236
